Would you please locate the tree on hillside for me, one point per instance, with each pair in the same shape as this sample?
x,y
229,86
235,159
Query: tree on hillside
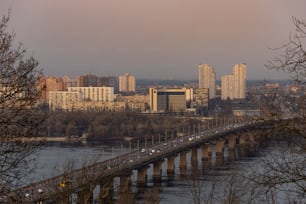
x,y
282,173
19,112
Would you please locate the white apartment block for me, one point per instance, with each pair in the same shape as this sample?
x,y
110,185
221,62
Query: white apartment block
x,y
64,100
127,83
207,79
71,99
103,94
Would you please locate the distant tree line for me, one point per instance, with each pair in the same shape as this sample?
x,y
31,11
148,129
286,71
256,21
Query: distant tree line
x,y
116,125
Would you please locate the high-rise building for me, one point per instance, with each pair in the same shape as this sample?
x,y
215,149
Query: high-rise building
x,y
109,81
47,84
239,73
207,79
227,87
127,83
87,80
234,86
68,82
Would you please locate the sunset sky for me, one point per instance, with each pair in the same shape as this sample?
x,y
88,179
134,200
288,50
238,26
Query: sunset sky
x,y
156,39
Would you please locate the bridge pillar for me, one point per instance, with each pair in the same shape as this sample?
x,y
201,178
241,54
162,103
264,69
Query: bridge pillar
x,y
262,138
252,147
194,158
142,176
125,193
241,150
231,145
183,162
170,165
85,196
157,170
206,156
106,190
219,152
63,199
124,183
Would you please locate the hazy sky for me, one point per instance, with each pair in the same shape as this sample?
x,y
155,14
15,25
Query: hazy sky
x,y
160,39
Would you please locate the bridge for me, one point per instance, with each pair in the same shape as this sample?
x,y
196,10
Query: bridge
x,y
81,182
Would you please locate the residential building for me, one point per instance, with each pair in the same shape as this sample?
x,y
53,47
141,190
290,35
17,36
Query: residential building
x,y
200,101
207,79
109,81
87,80
68,82
47,84
104,94
227,87
64,100
239,73
127,83
234,86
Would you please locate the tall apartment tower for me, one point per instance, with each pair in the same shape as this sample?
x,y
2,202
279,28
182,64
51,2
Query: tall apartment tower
x,y
234,86
239,74
227,87
47,84
207,79
87,80
127,83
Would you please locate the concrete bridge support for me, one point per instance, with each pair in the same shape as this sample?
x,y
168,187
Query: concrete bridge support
x,y
157,169
231,145
261,138
142,174
59,201
170,165
194,158
183,162
219,152
206,156
124,183
241,149
252,146
106,190
85,196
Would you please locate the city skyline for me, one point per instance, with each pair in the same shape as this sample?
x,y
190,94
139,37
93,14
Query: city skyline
x,y
154,40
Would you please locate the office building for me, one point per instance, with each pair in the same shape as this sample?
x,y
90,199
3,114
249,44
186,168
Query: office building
x,y
170,100
207,79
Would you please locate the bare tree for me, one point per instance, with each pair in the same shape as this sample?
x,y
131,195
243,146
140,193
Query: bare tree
x,y
293,57
282,174
20,116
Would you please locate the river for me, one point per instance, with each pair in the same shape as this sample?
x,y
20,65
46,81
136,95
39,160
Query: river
x,y
54,159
